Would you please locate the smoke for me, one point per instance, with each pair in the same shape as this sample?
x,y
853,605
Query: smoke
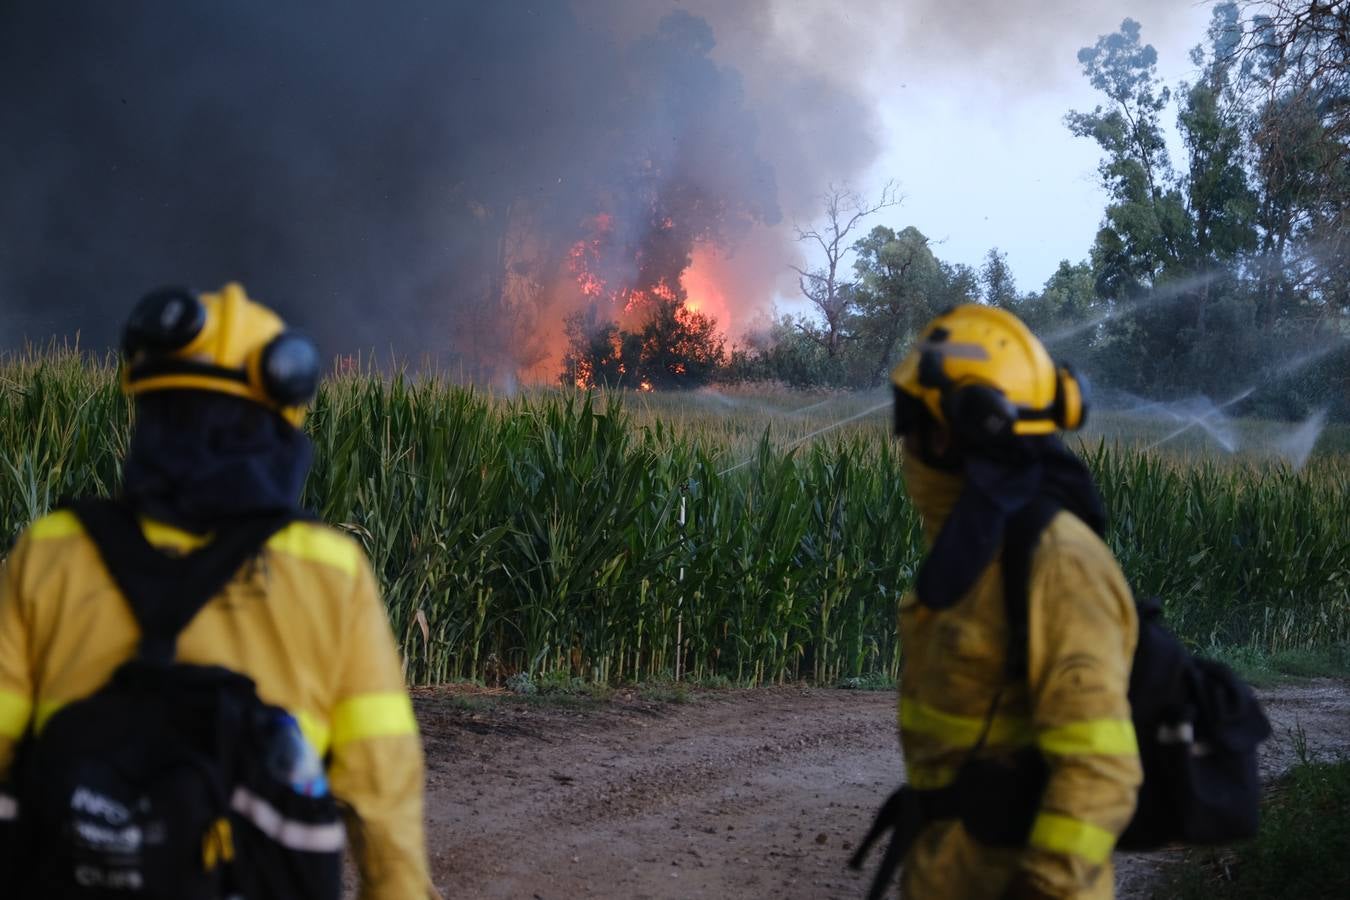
x,y
411,176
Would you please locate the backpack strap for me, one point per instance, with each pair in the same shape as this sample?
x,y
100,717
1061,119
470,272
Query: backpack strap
x,y
166,592
1021,536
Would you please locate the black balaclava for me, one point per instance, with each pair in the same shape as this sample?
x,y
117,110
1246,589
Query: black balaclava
x,y
199,460
1000,482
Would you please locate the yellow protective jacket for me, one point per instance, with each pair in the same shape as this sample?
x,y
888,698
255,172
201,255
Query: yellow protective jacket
x,y
304,620
1073,705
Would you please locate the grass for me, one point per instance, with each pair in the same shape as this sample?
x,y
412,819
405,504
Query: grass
x,y
1302,850
1264,669
872,681
612,539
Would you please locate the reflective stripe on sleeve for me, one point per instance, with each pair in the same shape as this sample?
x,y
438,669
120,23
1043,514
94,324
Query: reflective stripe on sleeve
x,y
366,716
962,731
62,523
289,833
15,711
45,710
316,732
1061,834
1107,737
318,544
9,808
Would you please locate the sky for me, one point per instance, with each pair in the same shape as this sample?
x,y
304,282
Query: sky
x,y
971,99
1008,172
379,173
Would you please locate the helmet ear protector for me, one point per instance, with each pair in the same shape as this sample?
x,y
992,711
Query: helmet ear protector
x,y
1073,396
979,414
285,370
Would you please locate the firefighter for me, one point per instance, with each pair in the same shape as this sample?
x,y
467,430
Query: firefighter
x,y
220,390
1021,730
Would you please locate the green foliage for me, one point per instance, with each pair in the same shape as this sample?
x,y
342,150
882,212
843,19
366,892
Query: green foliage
x,y
665,692
676,348
997,280
1303,849
899,280
873,681
63,428
1218,544
541,535
1222,275
1264,669
785,355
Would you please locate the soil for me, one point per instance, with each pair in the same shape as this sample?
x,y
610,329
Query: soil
x,y
733,794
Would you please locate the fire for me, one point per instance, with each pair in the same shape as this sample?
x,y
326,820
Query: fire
x,y
701,283
624,288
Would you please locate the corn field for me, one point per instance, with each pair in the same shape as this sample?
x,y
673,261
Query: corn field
x,y
565,532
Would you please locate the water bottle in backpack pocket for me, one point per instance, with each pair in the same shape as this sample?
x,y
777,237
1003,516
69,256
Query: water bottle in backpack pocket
x,y
287,826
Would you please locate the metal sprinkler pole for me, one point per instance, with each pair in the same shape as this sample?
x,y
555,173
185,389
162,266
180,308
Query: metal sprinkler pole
x,y
679,601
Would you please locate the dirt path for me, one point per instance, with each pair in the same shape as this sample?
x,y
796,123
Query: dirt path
x,y
736,794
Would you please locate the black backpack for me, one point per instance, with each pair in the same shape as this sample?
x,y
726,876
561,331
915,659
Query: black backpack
x,y
1198,726
163,783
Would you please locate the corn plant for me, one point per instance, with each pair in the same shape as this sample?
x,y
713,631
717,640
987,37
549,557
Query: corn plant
x,y
542,533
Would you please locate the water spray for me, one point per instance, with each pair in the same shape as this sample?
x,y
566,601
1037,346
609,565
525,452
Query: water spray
x,y
1297,446
1202,421
806,437
1168,293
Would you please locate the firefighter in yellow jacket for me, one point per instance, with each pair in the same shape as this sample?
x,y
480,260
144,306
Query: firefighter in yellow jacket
x,y
220,388
978,402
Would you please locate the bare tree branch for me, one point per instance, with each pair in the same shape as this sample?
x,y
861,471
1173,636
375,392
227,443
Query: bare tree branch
x,y
831,296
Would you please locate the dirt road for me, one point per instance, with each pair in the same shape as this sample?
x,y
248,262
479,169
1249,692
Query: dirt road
x,y
735,794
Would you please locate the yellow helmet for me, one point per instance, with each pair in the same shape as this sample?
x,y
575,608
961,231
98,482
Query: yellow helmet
x,y
222,342
981,372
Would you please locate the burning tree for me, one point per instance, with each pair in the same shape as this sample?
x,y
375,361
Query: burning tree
x,y
696,182
675,348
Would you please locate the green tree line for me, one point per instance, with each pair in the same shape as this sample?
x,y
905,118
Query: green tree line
x,y
1224,270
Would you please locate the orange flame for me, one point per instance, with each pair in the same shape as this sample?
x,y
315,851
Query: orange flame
x,y
700,283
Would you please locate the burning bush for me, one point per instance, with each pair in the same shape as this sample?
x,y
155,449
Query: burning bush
x,y
675,348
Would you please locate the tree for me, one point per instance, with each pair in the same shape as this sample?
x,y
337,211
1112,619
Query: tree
x,y
957,283
898,277
997,280
595,351
1219,202
1303,47
1298,56
679,348
1146,222
831,295
675,348
783,354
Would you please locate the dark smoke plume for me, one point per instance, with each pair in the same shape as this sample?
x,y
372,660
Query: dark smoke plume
x,y
407,176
